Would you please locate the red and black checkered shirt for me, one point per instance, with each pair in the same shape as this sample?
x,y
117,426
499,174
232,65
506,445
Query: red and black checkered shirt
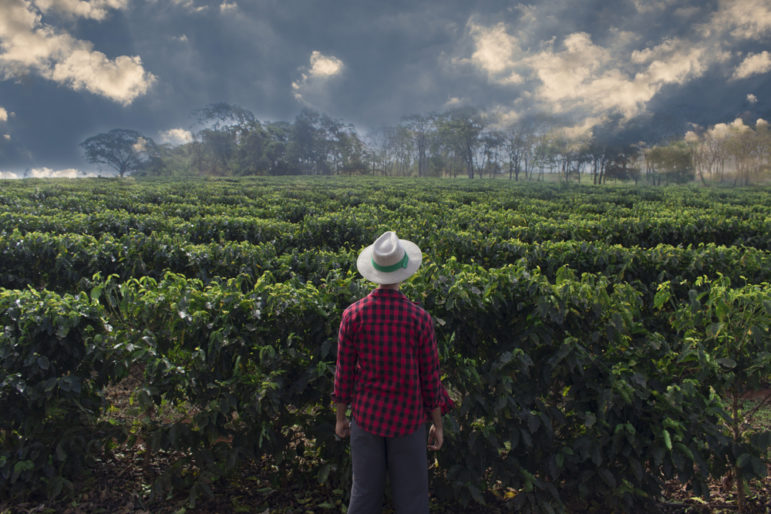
x,y
388,364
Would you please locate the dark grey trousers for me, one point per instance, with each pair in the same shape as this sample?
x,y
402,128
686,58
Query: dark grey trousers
x,y
405,460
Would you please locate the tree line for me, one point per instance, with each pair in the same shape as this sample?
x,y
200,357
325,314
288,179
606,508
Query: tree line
x,y
229,140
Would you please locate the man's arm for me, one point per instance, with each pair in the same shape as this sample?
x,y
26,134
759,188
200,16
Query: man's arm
x,y
344,374
342,425
436,432
428,362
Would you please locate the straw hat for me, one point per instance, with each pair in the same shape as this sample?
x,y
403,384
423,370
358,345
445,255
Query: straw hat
x,y
389,260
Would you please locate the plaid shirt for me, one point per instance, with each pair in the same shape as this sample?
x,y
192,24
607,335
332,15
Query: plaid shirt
x,y
388,364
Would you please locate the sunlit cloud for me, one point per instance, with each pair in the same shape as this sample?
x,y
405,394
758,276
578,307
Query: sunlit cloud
x,y
314,78
742,19
324,66
585,80
189,5
723,130
228,7
496,52
176,136
752,98
3,114
49,173
753,64
93,9
28,45
46,172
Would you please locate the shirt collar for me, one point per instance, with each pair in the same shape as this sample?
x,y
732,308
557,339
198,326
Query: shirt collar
x,y
394,293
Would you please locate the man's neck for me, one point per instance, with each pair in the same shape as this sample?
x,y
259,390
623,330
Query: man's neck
x,y
393,287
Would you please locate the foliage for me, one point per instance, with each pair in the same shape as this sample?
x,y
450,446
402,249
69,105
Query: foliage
x,y
593,340
730,330
56,354
123,150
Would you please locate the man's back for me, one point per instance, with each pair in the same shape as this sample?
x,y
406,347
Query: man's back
x,y
389,363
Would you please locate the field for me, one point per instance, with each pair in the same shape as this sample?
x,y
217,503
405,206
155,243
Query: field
x,y
608,348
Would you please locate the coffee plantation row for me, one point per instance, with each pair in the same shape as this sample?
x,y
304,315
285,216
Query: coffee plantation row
x,y
66,262
598,341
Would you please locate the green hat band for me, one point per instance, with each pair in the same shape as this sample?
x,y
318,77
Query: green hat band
x,y
394,267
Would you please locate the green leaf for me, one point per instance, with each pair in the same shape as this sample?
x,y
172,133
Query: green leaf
x,y
42,362
667,439
727,362
607,477
662,296
20,467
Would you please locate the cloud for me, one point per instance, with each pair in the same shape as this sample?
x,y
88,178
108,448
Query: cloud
x,y
495,51
752,98
189,5
7,137
121,80
176,136
228,7
313,80
3,115
742,19
49,173
324,66
722,130
675,61
583,80
140,145
753,64
30,46
645,6
94,9
45,173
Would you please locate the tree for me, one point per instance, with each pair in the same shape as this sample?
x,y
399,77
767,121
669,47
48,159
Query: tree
x,y
516,144
673,161
421,129
124,150
749,149
224,131
459,132
620,163
492,148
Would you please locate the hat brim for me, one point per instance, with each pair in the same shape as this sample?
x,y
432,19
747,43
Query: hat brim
x,y
368,271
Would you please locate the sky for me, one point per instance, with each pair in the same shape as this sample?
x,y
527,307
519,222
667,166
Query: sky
x,y
651,69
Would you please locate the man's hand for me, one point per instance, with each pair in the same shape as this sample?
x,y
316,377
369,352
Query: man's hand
x,y
435,437
342,425
343,428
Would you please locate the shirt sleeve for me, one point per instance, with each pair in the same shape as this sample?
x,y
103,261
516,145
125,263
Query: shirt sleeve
x,y
430,384
346,364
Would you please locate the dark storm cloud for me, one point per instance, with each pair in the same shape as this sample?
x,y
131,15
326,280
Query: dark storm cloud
x,y
636,65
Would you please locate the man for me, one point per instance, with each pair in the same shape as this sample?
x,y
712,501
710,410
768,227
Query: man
x,y
388,371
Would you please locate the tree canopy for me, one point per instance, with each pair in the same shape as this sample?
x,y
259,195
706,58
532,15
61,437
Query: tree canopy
x,y
123,150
